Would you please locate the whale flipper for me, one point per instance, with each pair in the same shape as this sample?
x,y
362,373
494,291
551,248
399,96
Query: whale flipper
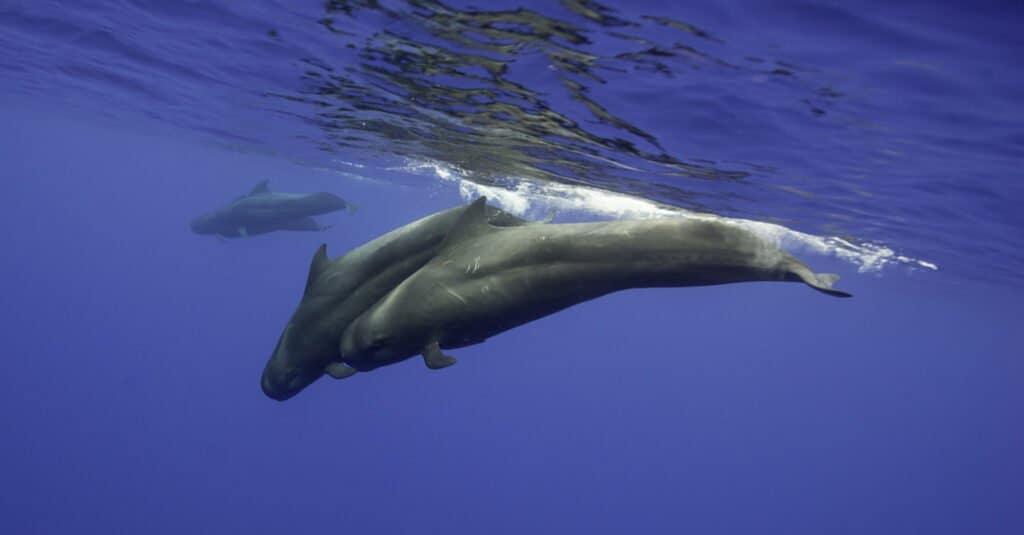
x,y
434,358
338,370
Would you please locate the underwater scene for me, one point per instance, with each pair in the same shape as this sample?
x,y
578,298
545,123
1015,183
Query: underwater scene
x,y
564,266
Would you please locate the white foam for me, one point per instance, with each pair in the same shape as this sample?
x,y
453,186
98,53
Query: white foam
x,y
531,199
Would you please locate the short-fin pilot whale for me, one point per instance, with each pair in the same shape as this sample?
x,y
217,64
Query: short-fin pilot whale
x,y
484,280
338,290
262,211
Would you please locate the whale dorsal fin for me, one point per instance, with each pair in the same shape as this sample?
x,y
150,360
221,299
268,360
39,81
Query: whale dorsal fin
x,y
262,187
317,266
473,222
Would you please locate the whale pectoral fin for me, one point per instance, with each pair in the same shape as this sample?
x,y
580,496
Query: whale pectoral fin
x,y
338,370
434,358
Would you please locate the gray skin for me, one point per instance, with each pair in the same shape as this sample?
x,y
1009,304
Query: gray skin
x,y
486,280
339,290
262,211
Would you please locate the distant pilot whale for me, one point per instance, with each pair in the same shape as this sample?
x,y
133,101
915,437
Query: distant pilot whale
x,y
485,280
262,211
338,290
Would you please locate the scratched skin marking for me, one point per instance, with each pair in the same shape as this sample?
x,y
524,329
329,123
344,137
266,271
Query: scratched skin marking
x,y
455,295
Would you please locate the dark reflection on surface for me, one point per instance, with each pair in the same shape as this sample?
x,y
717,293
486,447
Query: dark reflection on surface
x,y
512,93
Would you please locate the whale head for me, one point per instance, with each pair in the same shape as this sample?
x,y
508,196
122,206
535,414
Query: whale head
x,y
289,369
203,224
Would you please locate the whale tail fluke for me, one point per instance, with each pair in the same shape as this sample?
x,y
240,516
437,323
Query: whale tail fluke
x,y
819,281
823,283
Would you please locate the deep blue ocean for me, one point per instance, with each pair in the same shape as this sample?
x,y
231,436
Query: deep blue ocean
x,y
883,141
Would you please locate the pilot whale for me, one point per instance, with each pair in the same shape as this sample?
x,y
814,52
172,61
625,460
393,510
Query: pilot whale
x,y
262,211
484,280
338,290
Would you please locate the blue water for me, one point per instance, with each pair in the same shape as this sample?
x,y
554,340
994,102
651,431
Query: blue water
x,y
880,142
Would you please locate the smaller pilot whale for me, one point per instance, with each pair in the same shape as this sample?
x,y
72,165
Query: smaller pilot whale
x,y
262,211
484,280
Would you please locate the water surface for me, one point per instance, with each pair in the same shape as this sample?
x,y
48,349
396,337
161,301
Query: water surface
x,y
880,142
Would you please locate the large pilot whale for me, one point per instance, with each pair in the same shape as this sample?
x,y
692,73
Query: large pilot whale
x,y
262,211
338,290
484,280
